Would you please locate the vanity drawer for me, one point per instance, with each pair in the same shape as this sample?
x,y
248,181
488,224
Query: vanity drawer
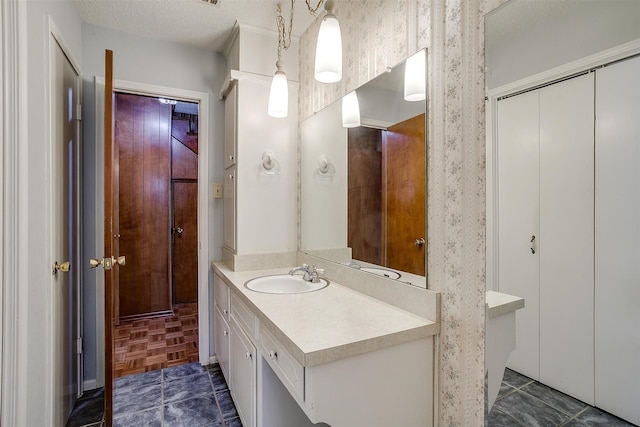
x,y
290,372
245,317
221,296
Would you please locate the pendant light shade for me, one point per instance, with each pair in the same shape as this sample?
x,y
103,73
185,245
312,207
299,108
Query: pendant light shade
x,y
279,95
415,78
328,67
350,111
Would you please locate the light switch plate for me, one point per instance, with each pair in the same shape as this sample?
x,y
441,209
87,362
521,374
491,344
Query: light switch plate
x,y
217,190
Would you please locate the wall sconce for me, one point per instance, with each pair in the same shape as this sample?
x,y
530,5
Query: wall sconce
x,y
350,110
415,78
328,66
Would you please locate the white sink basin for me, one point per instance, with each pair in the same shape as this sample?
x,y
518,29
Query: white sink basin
x,y
382,272
284,284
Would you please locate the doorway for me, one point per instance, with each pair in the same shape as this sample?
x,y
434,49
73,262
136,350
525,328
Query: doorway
x,y
156,306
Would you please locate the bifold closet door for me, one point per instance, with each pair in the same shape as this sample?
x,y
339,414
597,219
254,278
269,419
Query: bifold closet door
x,y
518,220
617,225
566,236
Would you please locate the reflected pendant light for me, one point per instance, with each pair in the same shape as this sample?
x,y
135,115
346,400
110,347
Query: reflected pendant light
x,y
328,66
415,78
350,110
279,94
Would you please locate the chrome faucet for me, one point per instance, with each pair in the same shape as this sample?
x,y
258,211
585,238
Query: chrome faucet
x,y
310,274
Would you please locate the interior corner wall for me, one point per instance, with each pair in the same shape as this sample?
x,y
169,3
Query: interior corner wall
x,y
154,62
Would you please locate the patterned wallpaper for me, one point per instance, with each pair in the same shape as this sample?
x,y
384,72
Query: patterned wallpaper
x,y
378,34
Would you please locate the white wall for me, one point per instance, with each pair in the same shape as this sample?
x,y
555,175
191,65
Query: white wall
x,y
582,28
154,62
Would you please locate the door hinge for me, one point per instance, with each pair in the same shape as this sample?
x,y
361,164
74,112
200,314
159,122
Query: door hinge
x,y
78,346
78,112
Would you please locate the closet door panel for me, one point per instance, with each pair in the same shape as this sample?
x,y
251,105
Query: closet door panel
x,y
617,225
566,236
518,218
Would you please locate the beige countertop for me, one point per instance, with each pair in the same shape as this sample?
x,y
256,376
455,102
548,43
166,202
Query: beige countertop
x,y
499,304
329,324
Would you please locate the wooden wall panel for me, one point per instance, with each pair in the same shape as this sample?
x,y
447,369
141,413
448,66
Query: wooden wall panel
x,y
184,162
144,144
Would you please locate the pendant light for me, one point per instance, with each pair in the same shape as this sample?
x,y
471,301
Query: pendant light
x,y
279,94
415,78
328,66
350,110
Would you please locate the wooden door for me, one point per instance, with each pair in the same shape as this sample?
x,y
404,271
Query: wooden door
x,y
111,227
518,139
143,145
404,195
185,242
66,239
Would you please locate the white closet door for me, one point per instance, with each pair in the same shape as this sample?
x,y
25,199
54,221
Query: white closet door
x,y
518,218
566,236
617,322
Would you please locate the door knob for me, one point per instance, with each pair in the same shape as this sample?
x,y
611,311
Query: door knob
x,y
107,262
64,267
419,242
178,230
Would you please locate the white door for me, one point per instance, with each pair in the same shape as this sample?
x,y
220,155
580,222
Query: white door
x,y
617,270
566,236
518,220
66,234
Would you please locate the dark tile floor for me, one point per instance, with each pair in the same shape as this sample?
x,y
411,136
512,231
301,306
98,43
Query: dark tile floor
x,y
525,402
187,395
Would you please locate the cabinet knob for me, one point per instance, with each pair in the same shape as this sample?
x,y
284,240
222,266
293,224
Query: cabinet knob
x,y
225,311
231,158
248,355
273,355
225,333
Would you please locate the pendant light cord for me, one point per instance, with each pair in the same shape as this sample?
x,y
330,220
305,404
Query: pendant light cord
x,y
313,10
284,35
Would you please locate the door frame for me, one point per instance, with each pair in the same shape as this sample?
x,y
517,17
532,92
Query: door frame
x,y
57,40
491,107
202,99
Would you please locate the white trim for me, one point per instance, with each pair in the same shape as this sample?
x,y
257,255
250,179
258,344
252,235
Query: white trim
x,y
613,54
56,39
14,174
213,360
202,98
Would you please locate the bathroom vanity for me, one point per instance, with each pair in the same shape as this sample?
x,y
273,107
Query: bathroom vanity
x,y
334,356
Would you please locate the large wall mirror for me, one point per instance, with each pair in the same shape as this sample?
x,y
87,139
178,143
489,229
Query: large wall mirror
x,y
363,173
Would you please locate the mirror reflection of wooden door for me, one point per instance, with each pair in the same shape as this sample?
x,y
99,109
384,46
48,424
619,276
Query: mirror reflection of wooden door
x,y
185,242
404,195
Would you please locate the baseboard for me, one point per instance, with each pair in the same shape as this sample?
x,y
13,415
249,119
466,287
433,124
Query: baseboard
x,y
89,385
213,360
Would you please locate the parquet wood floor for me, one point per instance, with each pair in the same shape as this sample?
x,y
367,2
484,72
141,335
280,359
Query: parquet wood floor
x,y
149,344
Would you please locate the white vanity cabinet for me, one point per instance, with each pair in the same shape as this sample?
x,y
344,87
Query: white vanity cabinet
x,y
242,377
302,360
221,324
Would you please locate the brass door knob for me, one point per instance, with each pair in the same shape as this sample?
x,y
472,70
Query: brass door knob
x,y
419,242
64,267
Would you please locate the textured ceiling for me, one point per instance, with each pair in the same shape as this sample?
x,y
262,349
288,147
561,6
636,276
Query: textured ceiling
x,y
191,22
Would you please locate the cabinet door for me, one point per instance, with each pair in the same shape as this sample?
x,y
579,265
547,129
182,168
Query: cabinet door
x,y
617,257
229,216
243,373
222,342
566,236
518,219
230,127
